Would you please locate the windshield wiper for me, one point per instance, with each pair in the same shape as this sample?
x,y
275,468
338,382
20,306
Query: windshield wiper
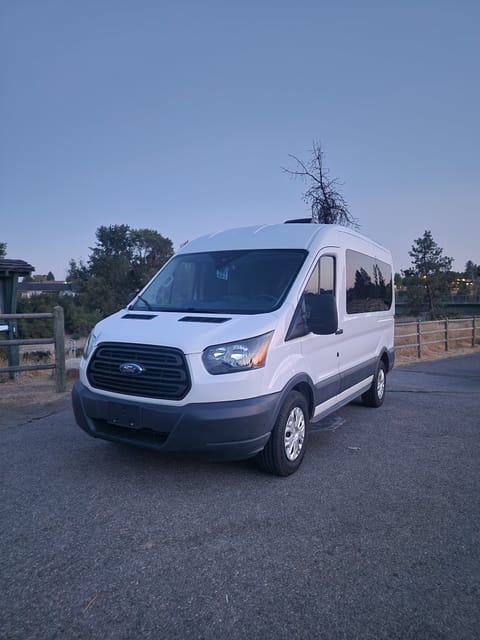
x,y
142,299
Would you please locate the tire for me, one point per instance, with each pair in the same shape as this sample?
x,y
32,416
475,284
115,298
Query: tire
x,y
375,396
284,451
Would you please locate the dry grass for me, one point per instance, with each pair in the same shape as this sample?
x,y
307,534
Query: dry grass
x,y
408,356
32,387
433,337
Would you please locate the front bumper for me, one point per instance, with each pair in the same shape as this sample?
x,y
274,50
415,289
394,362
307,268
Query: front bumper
x,y
223,430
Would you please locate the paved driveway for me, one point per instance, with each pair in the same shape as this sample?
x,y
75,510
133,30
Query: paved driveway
x,y
376,536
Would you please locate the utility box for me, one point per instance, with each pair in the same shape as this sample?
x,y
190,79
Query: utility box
x,y
10,271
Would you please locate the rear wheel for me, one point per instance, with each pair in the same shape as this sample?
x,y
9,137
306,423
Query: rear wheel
x,y
376,394
284,452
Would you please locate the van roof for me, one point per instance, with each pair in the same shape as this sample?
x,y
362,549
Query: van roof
x,y
277,236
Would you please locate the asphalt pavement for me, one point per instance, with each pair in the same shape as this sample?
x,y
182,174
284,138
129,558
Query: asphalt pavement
x,y
375,537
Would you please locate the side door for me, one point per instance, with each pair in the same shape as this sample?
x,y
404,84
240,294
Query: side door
x,y
365,316
320,352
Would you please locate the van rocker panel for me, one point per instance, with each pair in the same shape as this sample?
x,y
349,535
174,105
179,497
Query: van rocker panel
x,y
223,430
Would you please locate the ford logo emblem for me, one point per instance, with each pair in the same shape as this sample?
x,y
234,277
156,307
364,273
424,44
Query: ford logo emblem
x,y
131,368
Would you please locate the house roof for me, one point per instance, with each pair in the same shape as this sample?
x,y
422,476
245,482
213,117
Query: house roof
x,y
49,286
19,267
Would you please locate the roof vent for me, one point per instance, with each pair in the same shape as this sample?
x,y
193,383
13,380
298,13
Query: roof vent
x,y
301,221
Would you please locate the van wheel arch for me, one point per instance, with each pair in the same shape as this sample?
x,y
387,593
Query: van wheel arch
x,y
306,390
375,396
285,449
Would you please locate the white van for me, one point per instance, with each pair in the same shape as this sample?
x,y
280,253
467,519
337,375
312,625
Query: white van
x,y
240,342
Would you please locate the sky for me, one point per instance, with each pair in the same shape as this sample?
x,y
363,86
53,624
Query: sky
x,y
179,116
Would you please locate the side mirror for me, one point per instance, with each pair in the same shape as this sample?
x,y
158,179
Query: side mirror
x,y
323,317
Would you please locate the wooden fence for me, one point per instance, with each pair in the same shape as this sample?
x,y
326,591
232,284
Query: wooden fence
x,y
58,340
418,338
423,338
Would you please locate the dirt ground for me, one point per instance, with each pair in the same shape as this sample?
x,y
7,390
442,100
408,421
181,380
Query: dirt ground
x,y
32,396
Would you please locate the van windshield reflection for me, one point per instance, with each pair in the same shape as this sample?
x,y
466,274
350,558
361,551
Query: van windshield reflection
x,y
240,281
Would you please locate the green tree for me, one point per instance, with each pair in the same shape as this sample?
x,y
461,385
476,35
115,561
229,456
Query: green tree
x,y
326,203
472,276
427,280
39,277
38,303
121,262
3,249
150,251
472,270
78,318
77,271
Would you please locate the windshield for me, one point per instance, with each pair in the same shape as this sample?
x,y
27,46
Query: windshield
x,y
247,281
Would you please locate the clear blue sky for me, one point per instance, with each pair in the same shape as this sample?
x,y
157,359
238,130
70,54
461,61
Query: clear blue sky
x,y
178,116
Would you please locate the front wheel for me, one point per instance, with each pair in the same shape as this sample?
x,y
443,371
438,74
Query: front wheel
x,y
375,396
284,452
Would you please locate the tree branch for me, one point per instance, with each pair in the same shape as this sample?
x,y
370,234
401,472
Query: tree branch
x,y
326,203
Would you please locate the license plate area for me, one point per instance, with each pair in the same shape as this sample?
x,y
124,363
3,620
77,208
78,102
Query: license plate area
x,y
124,415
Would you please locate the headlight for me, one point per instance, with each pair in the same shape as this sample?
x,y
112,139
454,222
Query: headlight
x,y
237,356
89,345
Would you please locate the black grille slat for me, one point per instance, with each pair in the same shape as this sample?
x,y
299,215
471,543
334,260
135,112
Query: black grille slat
x,y
157,356
149,373
165,373
97,368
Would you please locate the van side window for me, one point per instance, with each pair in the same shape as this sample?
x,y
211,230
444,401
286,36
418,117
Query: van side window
x,y
322,280
327,275
369,283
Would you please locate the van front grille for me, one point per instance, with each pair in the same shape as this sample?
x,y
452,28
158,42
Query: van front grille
x,y
157,372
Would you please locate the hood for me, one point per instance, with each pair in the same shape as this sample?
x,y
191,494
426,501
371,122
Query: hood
x,y
190,332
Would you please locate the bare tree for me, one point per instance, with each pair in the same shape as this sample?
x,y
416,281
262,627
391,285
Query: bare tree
x,y
327,204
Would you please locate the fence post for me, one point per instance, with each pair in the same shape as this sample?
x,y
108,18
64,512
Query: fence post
x,y
446,334
13,353
59,338
419,340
